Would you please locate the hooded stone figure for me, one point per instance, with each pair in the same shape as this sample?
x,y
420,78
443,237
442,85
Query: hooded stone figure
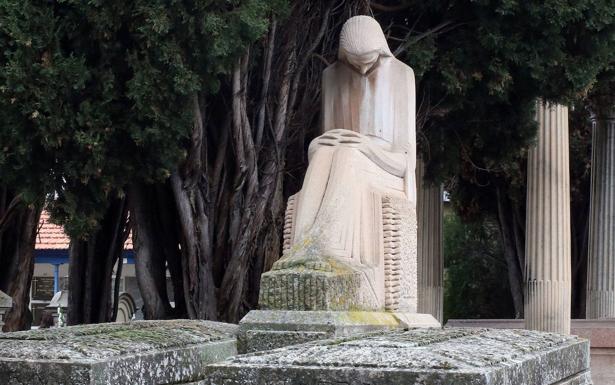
x,y
358,196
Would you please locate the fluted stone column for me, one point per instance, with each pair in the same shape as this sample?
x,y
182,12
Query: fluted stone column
x,y
547,254
601,267
430,259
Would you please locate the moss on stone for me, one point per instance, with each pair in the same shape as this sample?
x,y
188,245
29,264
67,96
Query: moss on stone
x,y
370,317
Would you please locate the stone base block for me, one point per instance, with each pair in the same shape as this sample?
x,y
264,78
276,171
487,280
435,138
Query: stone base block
x,y
269,329
137,353
317,284
416,357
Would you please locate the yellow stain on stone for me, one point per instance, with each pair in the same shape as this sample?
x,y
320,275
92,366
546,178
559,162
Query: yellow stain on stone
x,y
371,318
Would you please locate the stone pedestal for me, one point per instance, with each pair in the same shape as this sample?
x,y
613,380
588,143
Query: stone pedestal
x,y
418,356
430,258
601,265
547,264
320,283
317,298
270,329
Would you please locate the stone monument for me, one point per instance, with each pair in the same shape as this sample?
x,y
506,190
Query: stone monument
x,y
350,242
59,307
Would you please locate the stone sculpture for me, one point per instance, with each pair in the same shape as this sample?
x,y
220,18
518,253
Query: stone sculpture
x,y
350,233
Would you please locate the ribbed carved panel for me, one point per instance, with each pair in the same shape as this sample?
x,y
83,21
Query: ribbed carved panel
x,y
601,267
391,222
547,302
430,258
289,220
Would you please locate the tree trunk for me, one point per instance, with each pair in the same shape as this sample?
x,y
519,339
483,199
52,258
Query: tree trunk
x,y
10,206
155,243
194,212
228,195
91,266
17,243
511,237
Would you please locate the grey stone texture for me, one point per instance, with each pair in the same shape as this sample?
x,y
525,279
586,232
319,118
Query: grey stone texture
x,y
416,357
137,353
6,302
270,329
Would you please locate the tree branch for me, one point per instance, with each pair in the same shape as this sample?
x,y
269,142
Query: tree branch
x,y
5,220
388,8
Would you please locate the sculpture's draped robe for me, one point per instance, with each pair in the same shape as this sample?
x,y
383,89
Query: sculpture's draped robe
x,y
340,203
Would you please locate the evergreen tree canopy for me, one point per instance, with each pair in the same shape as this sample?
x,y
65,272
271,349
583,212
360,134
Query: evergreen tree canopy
x,y
488,62
97,94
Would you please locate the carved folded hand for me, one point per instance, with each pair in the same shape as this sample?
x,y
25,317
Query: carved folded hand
x,y
340,137
392,162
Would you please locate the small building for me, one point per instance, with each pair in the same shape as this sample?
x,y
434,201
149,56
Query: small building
x,y
51,268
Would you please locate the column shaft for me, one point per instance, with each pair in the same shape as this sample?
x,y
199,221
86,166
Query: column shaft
x,y
601,264
430,258
547,254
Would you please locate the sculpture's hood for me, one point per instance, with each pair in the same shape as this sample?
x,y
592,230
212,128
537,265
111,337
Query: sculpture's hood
x,y
360,35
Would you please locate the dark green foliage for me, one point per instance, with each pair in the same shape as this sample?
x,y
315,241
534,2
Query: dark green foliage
x,y
94,95
475,284
490,61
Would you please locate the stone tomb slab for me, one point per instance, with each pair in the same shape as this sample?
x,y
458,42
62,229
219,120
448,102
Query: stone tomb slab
x,y
416,356
136,353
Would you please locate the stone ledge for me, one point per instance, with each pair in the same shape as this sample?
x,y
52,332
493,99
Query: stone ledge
x,y
270,329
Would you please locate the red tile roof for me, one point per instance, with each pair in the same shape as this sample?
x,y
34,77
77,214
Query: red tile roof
x,y
52,236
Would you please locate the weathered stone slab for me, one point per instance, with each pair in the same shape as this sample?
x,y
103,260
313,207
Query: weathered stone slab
x,y
417,356
6,302
141,352
270,329
600,333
